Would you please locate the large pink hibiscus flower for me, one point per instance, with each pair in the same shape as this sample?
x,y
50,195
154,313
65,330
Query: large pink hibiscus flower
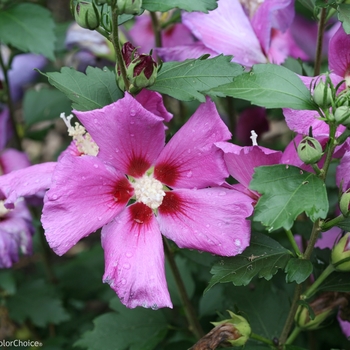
x,y
136,188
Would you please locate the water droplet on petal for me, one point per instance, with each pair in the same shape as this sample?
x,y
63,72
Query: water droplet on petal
x,y
132,112
132,122
123,281
95,121
99,218
95,166
222,193
154,307
132,135
128,255
237,242
189,174
54,197
126,266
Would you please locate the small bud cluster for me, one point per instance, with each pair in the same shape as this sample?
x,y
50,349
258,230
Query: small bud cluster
x,y
141,70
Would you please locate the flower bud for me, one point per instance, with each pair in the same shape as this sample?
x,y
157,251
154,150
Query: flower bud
x,y
86,14
130,7
341,251
342,115
322,95
141,70
321,312
310,150
344,203
241,329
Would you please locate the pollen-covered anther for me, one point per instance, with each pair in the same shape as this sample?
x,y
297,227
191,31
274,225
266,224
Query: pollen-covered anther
x,y
149,191
3,210
83,140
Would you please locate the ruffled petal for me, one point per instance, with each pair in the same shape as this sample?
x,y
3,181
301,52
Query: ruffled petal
x,y
153,102
277,14
190,158
345,327
128,135
134,258
241,161
227,30
211,220
11,160
339,53
25,182
85,194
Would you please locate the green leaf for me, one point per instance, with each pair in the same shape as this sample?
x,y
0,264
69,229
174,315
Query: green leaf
x,y
134,329
287,191
95,89
166,5
309,4
344,16
7,281
44,104
262,258
298,270
37,301
270,86
187,80
29,28
336,282
264,306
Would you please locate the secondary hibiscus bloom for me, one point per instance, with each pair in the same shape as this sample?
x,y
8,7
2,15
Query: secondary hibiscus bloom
x,y
136,188
16,227
253,32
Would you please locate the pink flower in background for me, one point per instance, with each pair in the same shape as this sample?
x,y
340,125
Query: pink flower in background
x,y
142,35
253,32
16,227
172,189
300,121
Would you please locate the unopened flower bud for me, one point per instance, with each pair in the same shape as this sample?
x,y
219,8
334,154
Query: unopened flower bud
x,y
344,203
310,150
342,115
241,329
322,95
340,252
321,312
141,70
130,7
86,14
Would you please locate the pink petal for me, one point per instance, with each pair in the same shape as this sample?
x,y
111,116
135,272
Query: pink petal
x,y
190,159
153,102
241,161
300,121
328,238
211,219
134,258
11,160
85,194
142,34
343,173
184,52
345,327
279,47
339,53
227,30
26,182
128,135
277,14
